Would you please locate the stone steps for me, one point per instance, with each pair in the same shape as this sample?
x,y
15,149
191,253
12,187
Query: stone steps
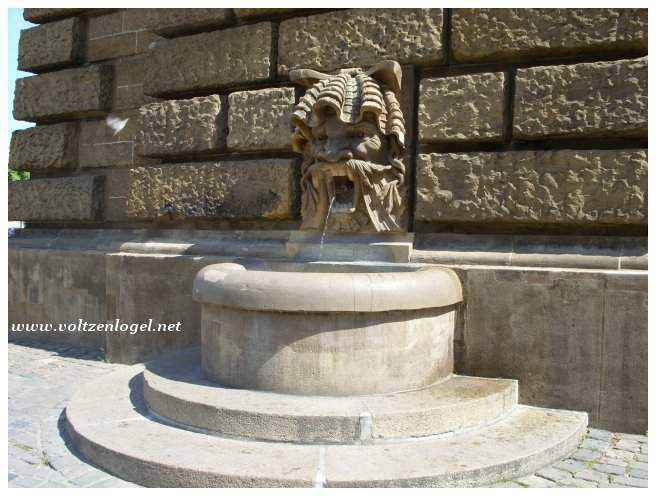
x,y
110,425
174,390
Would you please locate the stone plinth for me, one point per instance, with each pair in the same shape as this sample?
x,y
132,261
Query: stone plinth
x,y
334,333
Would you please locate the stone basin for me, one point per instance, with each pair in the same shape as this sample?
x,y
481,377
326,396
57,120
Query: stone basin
x,y
327,329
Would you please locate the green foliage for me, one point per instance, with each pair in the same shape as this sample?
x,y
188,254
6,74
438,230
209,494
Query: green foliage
x,y
15,175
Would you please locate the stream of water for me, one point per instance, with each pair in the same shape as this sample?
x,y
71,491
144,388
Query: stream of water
x,y
325,227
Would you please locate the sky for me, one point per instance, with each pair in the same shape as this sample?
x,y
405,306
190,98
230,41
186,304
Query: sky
x,y
16,24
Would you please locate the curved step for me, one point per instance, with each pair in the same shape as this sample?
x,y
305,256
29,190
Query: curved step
x,y
108,424
174,389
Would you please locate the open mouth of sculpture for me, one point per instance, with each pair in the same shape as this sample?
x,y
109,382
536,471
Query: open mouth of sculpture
x,y
344,194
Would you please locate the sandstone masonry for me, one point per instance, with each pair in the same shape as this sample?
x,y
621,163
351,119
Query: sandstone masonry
x,y
177,127
462,108
68,93
594,99
564,186
44,147
260,120
361,37
61,199
209,60
54,45
521,34
244,189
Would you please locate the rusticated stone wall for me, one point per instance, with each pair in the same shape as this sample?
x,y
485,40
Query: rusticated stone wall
x,y
516,117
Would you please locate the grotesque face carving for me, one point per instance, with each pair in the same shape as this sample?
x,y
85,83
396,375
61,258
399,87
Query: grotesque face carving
x,y
350,130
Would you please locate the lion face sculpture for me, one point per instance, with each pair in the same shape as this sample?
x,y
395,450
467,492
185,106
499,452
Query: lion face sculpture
x,y
350,130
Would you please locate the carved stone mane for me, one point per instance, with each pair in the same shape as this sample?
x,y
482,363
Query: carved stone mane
x,y
350,130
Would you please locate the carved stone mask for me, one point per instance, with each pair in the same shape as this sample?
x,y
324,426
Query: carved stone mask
x,y
350,130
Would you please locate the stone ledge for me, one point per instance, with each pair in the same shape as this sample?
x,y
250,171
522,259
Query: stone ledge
x,y
577,252
553,252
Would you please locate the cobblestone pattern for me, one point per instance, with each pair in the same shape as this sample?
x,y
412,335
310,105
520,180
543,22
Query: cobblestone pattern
x,y
42,380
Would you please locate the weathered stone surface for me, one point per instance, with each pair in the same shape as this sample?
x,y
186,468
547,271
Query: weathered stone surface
x,y
360,37
67,93
512,34
62,198
459,108
242,190
177,127
47,15
562,334
52,45
58,287
594,99
564,186
174,22
175,389
44,147
132,282
127,91
260,120
209,60
624,379
117,34
102,146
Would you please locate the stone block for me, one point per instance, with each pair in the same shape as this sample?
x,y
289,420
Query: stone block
x,y
593,99
176,22
132,280
462,108
624,379
53,45
178,127
57,199
71,93
536,327
563,186
522,34
209,60
44,147
101,146
361,37
260,120
58,287
235,190
39,16
127,90
113,35
551,329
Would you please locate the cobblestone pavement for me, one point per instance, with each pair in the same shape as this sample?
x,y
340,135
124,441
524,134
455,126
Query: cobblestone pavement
x,y
41,381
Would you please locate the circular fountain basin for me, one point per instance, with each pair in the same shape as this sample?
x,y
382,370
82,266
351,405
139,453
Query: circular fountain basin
x,y
327,329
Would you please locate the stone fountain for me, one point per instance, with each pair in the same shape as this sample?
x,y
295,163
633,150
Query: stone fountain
x,y
325,372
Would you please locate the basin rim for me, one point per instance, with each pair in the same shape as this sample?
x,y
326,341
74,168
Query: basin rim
x,y
231,285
